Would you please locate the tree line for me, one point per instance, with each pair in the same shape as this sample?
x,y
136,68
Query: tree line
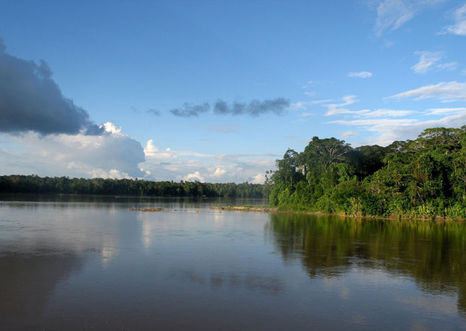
x,y
100,186
425,177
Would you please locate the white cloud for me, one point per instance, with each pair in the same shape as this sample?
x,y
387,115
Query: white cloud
x,y
168,164
360,74
459,28
447,66
337,108
150,149
430,61
375,122
316,102
389,130
387,112
112,128
298,105
259,179
112,173
195,176
426,61
340,109
348,134
219,172
110,155
392,14
152,152
368,113
438,111
444,91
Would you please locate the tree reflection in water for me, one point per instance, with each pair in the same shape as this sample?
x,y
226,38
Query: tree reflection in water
x,y
433,254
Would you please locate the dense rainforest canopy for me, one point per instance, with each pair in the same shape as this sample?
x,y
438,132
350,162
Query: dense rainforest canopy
x,y
425,177
65,185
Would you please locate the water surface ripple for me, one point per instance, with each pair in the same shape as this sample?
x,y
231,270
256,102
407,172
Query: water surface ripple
x,y
94,263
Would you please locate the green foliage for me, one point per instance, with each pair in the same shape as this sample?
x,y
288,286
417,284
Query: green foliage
x,y
65,185
421,178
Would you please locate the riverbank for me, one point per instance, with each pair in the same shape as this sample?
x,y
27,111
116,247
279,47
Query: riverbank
x,y
265,209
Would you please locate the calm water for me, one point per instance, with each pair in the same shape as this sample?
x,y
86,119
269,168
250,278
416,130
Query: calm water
x,y
94,263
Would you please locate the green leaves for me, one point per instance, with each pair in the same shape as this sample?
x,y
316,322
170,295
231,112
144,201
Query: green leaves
x,y
425,177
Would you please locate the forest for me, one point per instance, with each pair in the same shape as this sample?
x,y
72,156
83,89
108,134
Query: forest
x,y
99,186
421,178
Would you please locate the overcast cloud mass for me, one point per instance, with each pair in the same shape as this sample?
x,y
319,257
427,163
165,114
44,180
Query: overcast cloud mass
x,y
30,100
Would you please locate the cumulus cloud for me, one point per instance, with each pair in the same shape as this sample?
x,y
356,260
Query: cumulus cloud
x,y
109,155
168,164
220,107
392,14
258,179
444,91
30,100
430,61
195,176
112,173
459,27
360,74
219,172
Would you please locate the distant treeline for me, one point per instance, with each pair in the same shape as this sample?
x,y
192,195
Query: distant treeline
x,y
65,185
425,177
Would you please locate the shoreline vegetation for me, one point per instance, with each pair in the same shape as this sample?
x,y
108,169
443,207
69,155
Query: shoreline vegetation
x,y
423,179
275,210
128,187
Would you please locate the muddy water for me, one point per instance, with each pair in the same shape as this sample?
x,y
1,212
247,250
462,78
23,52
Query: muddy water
x,y
94,263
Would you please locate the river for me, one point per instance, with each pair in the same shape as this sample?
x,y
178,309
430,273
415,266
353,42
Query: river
x,y
94,263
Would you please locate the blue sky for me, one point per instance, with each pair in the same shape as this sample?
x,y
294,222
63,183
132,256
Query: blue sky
x,y
363,71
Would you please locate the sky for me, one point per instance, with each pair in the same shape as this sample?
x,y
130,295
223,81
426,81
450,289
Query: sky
x,y
216,91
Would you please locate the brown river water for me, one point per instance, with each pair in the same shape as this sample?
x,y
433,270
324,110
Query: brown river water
x,y
93,263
